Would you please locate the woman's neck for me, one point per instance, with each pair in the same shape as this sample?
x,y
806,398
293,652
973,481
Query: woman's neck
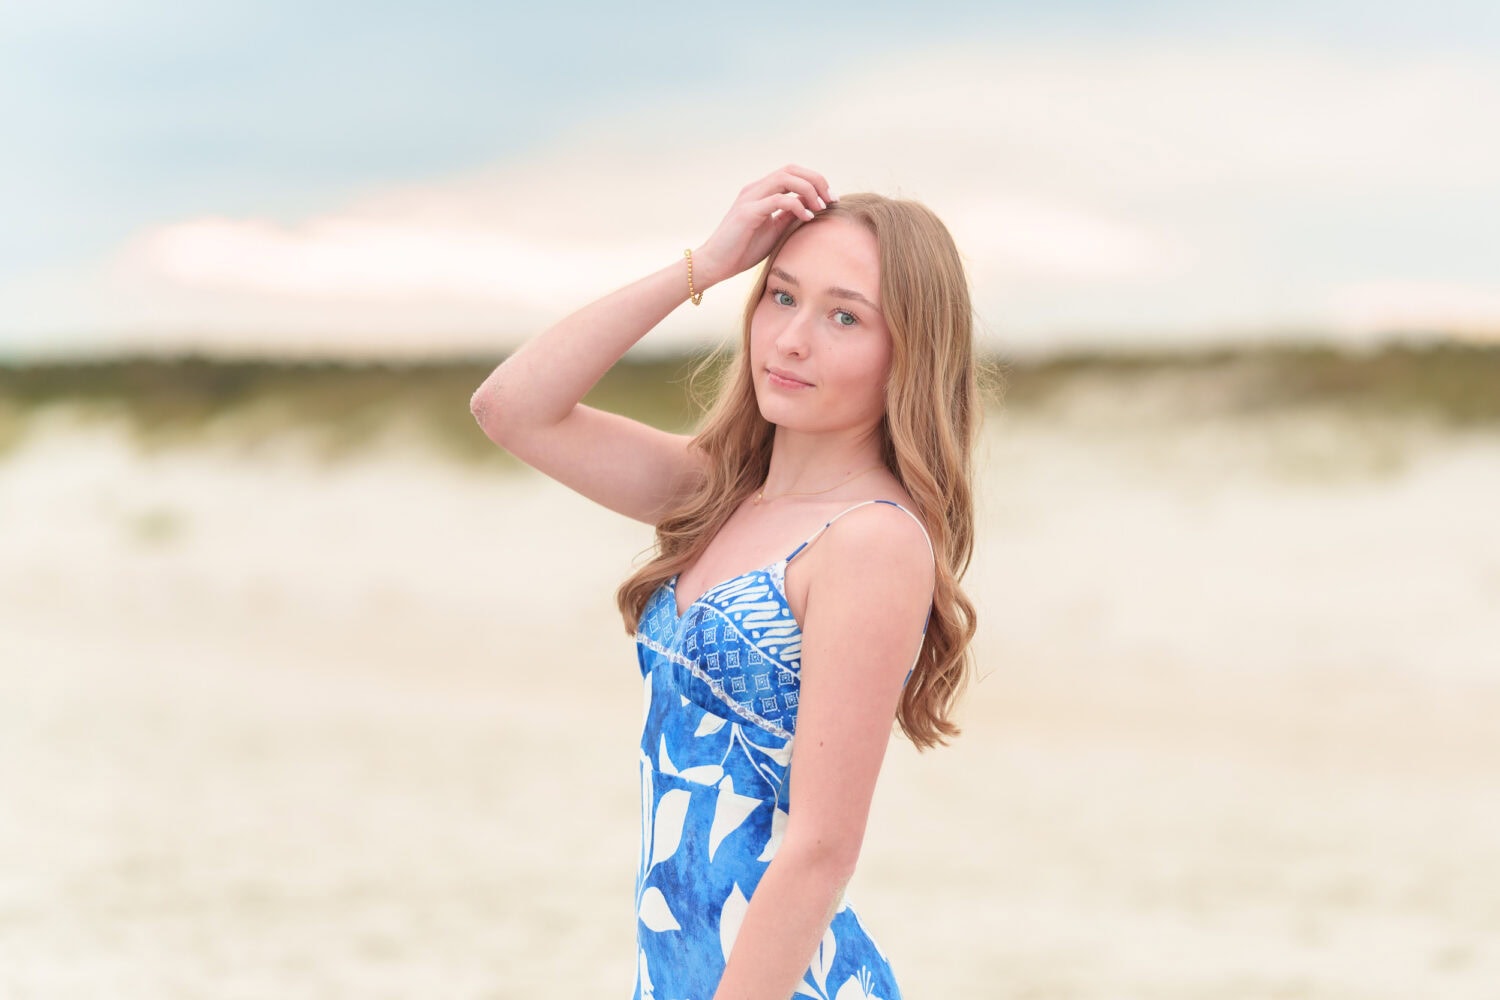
x,y
803,463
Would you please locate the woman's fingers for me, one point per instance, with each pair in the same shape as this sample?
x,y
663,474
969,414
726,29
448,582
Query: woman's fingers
x,y
806,189
821,191
799,206
778,206
759,213
809,183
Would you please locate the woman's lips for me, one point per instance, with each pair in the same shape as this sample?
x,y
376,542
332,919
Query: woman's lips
x,y
785,381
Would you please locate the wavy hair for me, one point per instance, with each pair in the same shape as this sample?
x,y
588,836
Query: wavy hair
x,y
932,421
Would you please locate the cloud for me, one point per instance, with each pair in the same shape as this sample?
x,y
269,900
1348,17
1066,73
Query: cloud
x,y
1096,187
350,256
1416,307
1038,240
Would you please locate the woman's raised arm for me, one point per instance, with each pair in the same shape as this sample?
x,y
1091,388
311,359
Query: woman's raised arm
x,y
530,404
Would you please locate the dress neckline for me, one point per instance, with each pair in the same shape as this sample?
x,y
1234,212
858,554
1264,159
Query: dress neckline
x,y
784,561
678,616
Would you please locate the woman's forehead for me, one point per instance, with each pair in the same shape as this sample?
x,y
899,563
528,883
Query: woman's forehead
x,y
833,251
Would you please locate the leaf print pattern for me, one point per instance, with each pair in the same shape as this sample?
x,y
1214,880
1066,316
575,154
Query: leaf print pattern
x,y
643,986
671,811
655,913
720,695
730,811
731,915
823,960
778,831
709,724
858,987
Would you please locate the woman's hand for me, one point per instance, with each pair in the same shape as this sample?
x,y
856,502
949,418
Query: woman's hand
x,y
760,214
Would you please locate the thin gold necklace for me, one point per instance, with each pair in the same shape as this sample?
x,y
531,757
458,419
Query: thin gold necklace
x,y
762,494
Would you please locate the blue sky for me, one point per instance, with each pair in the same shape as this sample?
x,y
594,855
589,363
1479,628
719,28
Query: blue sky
x,y
133,125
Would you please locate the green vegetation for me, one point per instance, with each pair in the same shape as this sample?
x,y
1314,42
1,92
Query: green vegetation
x,y
1454,382
340,408
337,408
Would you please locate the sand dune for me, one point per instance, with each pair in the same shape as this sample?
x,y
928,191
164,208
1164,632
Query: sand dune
x,y
275,729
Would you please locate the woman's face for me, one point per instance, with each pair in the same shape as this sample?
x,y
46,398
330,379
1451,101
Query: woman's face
x,y
819,320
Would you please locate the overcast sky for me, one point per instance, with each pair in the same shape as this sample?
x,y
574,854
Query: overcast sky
x,y
310,177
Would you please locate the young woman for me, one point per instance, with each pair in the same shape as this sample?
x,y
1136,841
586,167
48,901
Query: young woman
x,y
774,667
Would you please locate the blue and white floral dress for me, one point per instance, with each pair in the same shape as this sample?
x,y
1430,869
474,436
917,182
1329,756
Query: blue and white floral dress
x,y
721,685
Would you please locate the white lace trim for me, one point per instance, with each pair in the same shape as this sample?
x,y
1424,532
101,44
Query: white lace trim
x,y
714,686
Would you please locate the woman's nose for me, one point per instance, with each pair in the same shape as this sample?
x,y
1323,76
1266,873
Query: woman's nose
x,y
793,335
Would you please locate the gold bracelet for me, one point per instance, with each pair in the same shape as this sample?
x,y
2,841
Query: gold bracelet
x,y
698,297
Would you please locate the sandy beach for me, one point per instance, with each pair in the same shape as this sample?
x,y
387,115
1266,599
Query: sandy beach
x,y
276,729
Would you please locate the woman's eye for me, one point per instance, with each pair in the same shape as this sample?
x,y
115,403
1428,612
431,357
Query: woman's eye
x,y
776,296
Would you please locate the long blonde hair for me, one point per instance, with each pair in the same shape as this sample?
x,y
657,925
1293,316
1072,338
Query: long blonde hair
x,y
924,297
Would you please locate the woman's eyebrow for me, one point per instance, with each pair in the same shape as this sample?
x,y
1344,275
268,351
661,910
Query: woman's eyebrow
x,y
843,293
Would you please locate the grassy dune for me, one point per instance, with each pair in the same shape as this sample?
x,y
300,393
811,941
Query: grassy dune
x,y
339,408
284,730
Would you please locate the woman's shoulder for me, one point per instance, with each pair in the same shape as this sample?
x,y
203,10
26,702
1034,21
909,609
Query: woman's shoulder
x,y
893,500
859,539
882,534
884,521
878,555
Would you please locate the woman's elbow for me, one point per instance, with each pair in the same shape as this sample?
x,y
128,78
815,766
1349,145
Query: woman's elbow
x,y
822,855
487,408
480,405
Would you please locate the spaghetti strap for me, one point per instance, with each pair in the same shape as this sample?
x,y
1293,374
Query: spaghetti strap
x,y
862,503
928,620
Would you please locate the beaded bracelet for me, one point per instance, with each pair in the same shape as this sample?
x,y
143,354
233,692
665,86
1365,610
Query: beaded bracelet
x,y
696,297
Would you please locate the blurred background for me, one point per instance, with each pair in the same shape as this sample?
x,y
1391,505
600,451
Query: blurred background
x,y
309,690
